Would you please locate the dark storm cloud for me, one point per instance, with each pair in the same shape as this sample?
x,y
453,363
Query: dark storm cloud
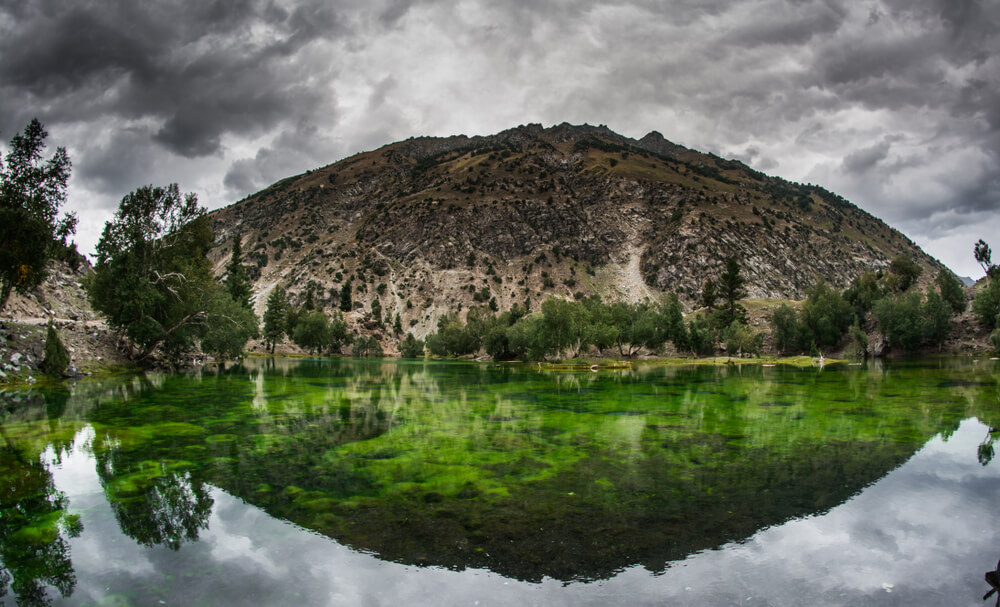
x,y
197,70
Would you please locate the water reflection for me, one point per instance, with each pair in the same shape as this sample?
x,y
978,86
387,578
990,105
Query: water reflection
x,y
530,475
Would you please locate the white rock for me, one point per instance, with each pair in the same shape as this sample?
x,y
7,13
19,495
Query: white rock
x,y
15,358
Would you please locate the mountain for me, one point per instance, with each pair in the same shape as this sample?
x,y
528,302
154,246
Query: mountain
x,y
429,225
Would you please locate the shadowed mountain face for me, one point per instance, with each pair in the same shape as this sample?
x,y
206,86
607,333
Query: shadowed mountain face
x,y
429,223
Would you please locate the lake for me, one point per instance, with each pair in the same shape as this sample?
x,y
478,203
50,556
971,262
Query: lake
x,y
279,482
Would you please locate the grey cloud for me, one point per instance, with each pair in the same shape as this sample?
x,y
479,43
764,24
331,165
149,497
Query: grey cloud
x,y
865,159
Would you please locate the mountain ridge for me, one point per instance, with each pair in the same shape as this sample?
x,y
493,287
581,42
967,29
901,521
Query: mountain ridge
x,y
431,225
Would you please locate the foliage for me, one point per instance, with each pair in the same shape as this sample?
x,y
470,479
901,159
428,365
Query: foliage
x,y
740,339
731,289
905,273
345,297
863,292
951,291
986,304
152,280
275,317
452,338
56,357
785,328
411,347
312,331
228,325
708,294
701,336
237,283
339,335
377,311
859,341
31,193
825,316
983,256
367,348
908,323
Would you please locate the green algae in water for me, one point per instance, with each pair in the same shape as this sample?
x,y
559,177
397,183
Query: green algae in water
x,y
571,476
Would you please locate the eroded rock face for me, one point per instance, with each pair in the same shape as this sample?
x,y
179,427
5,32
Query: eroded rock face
x,y
430,225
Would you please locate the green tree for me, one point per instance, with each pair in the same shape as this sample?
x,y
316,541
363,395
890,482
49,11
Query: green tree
x,y
951,291
731,289
936,317
899,317
986,303
275,317
152,280
708,294
237,283
701,336
785,328
983,256
376,309
411,347
906,272
339,334
367,348
825,316
346,305
862,293
228,326
740,340
397,325
31,193
312,331
56,357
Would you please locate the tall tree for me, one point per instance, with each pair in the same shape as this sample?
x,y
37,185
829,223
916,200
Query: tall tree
x,y
152,279
731,288
31,193
237,283
275,317
345,297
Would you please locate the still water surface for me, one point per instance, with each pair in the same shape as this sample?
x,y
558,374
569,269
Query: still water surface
x,y
340,483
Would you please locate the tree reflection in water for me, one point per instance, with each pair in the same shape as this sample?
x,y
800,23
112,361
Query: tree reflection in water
x,y
33,529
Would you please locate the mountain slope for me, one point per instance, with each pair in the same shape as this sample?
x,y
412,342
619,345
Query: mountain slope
x,y
430,225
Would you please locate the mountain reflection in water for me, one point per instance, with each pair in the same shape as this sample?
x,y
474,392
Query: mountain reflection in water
x,y
533,476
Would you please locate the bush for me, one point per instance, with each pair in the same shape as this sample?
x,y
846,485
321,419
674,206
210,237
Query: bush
x,y
951,291
411,347
56,357
785,327
825,316
986,304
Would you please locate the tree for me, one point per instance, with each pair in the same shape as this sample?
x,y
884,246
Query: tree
x,y
229,324
31,193
367,348
986,303
397,325
152,280
951,291
785,327
936,318
825,316
906,272
275,317
899,317
345,297
983,256
708,294
56,357
237,283
740,339
376,309
411,347
731,288
312,331
339,335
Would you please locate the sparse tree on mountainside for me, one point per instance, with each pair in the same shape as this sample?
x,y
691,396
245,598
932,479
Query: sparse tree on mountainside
x,y
237,283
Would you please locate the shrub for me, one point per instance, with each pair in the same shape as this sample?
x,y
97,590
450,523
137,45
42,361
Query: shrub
x,y
56,357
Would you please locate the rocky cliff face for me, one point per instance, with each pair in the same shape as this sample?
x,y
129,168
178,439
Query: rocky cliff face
x,y
430,225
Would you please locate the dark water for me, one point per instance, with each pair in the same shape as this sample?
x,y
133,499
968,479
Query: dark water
x,y
335,483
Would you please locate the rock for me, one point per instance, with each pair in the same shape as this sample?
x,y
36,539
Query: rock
x,y
15,358
877,344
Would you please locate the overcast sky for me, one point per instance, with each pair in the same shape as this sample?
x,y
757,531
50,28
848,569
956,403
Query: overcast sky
x,y
895,104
